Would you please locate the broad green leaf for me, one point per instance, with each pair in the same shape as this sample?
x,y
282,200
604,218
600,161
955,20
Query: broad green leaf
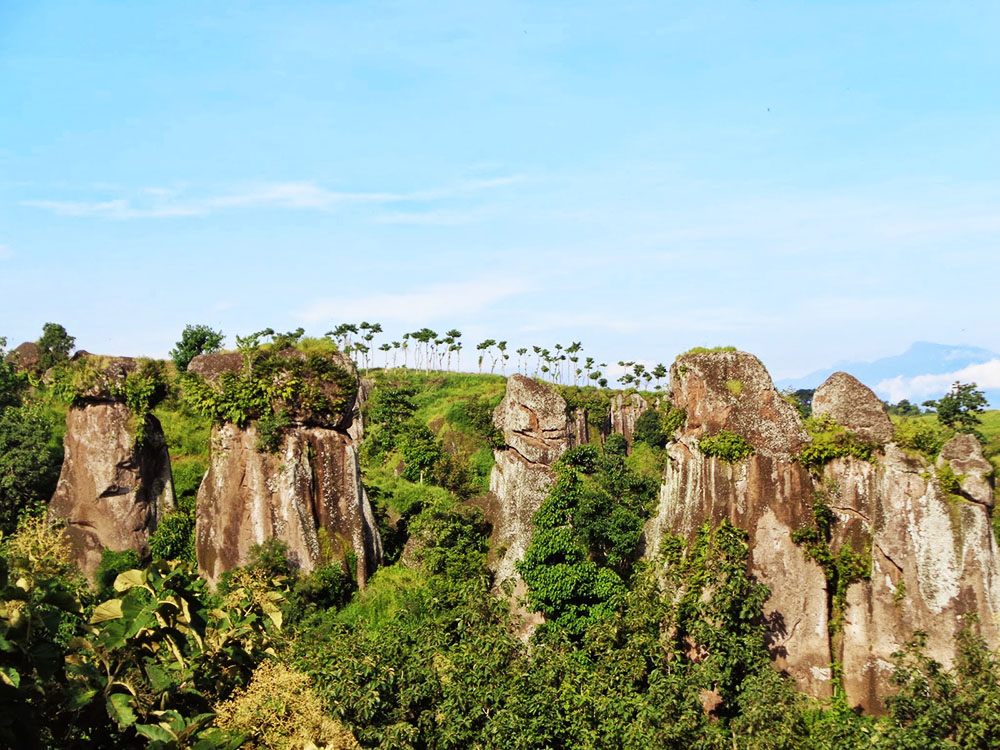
x,y
110,610
130,579
120,705
10,677
154,732
273,612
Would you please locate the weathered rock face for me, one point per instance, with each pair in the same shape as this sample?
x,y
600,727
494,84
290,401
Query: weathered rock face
x,y
357,427
111,493
536,431
623,414
732,391
310,489
769,498
934,559
533,420
27,357
964,456
852,404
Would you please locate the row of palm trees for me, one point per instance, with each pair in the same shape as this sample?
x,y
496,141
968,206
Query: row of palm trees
x,y
432,351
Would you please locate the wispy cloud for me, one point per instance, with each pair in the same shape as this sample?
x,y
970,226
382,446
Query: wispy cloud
x,y
430,303
985,375
156,202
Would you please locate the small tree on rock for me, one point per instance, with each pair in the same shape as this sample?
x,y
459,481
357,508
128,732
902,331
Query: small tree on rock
x,y
960,407
195,340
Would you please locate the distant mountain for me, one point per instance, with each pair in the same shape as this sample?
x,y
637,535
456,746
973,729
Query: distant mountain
x,y
922,372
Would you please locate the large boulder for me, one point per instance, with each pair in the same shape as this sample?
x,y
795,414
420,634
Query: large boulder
x,y
934,559
963,454
26,357
731,390
851,404
309,490
537,431
112,489
532,418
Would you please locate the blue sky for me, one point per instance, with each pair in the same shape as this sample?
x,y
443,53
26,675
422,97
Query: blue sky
x,y
812,182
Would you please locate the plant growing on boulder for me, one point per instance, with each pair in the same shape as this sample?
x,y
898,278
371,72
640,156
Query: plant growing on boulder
x,y
195,340
727,446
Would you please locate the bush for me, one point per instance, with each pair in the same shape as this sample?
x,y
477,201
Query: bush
x,y
55,344
174,538
830,441
195,340
727,446
29,464
112,563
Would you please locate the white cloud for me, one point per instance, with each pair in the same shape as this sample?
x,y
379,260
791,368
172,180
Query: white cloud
x,y
5,252
155,202
986,376
450,300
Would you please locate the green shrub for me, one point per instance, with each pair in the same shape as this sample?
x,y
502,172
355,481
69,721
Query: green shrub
x,y
112,563
922,435
727,446
615,445
174,537
277,377
708,350
830,441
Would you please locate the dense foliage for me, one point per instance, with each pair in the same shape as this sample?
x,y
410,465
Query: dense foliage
x,y
665,651
195,340
30,451
829,441
727,446
586,537
286,379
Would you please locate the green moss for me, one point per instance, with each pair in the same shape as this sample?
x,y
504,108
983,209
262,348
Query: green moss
x,y
735,387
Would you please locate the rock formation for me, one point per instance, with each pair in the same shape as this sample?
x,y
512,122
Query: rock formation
x,y
929,558
852,405
963,454
308,493
934,558
532,418
768,495
26,357
732,391
624,412
112,488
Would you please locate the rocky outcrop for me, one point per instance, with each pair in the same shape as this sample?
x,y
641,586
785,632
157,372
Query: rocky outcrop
x,y
963,454
852,404
533,420
729,390
307,494
112,488
26,357
769,495
928,558
933,560
624,413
